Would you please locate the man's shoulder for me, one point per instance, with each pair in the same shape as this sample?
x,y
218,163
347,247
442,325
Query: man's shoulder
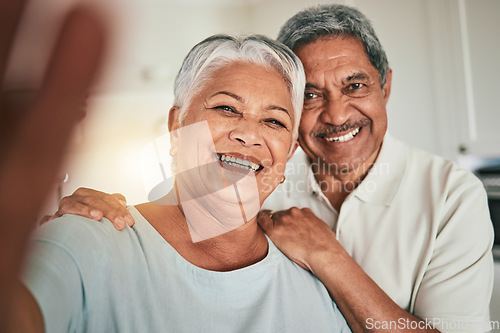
x,y
438,171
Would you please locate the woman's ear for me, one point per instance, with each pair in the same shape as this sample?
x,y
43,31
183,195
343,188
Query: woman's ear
x,y
294,148
173,118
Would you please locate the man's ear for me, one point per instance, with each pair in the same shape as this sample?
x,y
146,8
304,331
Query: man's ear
x,y
294,148
386,90
173,118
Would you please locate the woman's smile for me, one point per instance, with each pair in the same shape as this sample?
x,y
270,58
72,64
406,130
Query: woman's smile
x,y
250,118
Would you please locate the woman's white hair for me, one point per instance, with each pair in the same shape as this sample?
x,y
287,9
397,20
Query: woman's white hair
x,y
220,50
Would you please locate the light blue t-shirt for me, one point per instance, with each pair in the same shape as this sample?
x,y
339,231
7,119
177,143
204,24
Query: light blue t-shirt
x,y
88,277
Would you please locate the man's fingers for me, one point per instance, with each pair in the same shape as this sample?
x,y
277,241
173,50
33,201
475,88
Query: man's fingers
x,y
89,192
265,221
111,209
70,205
121,199
115,209
96,205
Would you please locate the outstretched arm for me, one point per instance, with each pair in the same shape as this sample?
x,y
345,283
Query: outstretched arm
x,y
32,145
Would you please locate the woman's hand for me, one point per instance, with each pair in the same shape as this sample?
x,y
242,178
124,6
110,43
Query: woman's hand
x,y
95,205
33,139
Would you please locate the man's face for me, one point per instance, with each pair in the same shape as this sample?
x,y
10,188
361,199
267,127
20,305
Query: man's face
x,y
344,119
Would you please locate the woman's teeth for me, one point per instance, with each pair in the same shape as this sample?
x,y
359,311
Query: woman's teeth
x,y
238,162
344,138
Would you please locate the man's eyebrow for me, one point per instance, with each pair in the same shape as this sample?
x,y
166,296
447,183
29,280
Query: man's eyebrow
x,y
230,94
311,86
356,77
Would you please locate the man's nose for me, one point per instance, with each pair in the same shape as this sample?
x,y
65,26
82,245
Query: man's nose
x,y
335,112
248,133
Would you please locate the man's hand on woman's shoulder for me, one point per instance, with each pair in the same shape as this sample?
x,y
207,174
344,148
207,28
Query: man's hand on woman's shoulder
x,y
95,205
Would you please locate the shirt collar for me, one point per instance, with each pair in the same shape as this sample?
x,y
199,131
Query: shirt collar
x,y
384,179
379,187
299,174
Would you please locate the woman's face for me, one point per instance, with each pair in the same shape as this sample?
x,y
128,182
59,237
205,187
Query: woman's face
x,y
249,114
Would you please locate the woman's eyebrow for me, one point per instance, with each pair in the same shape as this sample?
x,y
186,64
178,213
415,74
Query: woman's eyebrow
x,y
279,108
230,94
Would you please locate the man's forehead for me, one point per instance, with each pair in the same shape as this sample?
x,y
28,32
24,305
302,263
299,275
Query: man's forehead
x,y
344,57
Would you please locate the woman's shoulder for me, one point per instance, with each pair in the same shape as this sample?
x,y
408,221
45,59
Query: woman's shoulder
x,y
76,234
64,227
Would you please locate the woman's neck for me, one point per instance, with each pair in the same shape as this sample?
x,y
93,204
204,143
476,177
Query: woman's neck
x,y
234,249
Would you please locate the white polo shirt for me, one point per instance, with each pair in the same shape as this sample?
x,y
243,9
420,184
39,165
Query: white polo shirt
x,y
418,225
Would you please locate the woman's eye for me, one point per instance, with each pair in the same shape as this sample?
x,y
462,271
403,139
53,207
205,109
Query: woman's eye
x,y
275,122
226,108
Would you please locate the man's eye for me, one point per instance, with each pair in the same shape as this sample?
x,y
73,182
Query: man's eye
x,y
356,90
310,95
356,86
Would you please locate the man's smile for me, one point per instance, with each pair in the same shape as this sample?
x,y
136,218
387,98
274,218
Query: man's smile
x,y
344,138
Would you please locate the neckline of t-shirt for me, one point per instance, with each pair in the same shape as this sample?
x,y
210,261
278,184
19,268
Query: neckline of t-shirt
x,y
152,233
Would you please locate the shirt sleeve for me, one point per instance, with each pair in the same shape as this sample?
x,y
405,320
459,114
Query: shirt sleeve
x,y
456,289
56,277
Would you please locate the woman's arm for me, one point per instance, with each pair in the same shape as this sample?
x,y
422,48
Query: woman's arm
x,y
32,145
26,315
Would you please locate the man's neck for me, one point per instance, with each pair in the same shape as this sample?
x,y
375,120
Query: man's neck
x,y
336,185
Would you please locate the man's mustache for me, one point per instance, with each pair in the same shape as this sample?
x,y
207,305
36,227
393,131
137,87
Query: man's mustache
x,y
332,129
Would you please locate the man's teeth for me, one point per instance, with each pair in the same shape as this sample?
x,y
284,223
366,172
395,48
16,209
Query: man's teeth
x,y
344,138
238,162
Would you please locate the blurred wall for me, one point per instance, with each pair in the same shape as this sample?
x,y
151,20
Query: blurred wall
x,y
443,56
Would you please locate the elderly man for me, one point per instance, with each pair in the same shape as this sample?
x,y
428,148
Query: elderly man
x,y
401,238
411,232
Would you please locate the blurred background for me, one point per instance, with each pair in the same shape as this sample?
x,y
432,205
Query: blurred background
x,y
444,56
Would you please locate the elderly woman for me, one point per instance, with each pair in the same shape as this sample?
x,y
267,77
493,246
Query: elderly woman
x,y
197,262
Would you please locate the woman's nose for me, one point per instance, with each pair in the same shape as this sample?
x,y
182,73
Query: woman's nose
x,y
248,133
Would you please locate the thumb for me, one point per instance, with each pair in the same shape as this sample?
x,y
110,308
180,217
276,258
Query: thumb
x,y
264,219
